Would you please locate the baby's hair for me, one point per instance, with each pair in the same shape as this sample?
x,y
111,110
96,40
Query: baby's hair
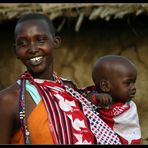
x,y
99,68
37,16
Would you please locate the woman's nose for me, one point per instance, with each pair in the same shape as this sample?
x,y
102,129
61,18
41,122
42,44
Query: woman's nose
x,y
32,48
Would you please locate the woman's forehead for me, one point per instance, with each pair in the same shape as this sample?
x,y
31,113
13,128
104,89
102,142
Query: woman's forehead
x,y
32,26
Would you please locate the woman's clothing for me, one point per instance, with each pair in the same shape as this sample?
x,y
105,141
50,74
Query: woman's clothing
x,y
62,116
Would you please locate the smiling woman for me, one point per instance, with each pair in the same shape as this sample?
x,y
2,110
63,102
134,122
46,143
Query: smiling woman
x,y
34,46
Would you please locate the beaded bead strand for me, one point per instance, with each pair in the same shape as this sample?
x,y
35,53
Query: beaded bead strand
x,y
23,111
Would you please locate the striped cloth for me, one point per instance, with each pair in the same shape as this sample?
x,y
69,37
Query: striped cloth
x,y
72,118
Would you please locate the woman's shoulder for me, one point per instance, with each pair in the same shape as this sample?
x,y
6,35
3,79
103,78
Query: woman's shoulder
x,y
9,97
9,111
10,91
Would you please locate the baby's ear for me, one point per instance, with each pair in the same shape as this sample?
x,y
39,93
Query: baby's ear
x,y
105,85
57,41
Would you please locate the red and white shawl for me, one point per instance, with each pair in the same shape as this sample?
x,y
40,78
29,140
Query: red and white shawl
x,y
123,119
72,118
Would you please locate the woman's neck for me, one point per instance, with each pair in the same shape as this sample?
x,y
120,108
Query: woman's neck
x,y
47,75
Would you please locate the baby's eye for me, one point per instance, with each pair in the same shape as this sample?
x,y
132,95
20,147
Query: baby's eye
x,y
127,82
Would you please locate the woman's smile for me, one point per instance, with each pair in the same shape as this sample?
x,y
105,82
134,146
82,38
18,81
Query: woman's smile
x,y
36,60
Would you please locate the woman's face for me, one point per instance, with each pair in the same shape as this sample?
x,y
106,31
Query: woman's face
x,y
34,45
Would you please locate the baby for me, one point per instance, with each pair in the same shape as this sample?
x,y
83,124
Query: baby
x,y
115,77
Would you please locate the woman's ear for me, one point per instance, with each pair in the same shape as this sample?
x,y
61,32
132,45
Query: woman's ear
x,y
105,85
57,41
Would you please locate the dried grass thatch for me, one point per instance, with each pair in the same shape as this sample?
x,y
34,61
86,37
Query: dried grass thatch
x,y
77,10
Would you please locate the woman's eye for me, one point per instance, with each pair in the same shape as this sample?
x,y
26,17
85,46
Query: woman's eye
x,y
41,40
21,43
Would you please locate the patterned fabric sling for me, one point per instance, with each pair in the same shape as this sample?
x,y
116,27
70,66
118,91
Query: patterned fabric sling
x,y
67,111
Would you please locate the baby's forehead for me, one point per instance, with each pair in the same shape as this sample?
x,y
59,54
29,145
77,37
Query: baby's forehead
x,y
121,67
117,60
114,64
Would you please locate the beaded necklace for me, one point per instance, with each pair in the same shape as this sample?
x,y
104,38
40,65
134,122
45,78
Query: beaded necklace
x,y
23,112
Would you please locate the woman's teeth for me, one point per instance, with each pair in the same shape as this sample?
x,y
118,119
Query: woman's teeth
x,y
36,60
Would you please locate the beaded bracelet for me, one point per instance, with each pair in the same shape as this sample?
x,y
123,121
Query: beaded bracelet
x,y
95,100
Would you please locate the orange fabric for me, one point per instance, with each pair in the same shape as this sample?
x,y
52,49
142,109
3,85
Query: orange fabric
x,y
38,126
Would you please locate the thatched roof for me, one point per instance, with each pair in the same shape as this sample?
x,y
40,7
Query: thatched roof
x,y
77,10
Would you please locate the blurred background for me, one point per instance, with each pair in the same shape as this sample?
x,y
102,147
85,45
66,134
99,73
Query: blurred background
x,y
88,31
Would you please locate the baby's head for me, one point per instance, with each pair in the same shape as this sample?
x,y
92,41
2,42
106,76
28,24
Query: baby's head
x,y
115,75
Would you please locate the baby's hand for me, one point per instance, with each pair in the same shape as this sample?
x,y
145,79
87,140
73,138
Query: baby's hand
x,y
101,99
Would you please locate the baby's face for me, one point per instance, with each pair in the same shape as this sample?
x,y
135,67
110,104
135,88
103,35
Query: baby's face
x,y
123,83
